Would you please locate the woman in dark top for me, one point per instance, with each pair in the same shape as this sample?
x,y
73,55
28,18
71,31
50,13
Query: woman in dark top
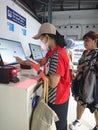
x,y
87,63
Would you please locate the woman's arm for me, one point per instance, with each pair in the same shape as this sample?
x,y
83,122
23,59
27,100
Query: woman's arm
x,y
40,62
80,67
53,80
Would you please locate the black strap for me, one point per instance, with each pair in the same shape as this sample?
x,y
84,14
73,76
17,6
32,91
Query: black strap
x,y
89,64
91,58
39,72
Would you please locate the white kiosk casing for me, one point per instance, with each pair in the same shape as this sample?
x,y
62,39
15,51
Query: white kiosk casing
x,y
16,101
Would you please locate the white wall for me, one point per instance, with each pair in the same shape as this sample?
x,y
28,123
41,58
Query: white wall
x,y
17,35
86,20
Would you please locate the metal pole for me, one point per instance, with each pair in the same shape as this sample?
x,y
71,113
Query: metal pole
x,y
50,11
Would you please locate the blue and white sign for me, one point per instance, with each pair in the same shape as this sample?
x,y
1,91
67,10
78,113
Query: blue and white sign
x,y
24,32
11,26
15,17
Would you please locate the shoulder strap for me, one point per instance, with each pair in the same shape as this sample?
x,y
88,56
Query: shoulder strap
x,y
92,57
89,64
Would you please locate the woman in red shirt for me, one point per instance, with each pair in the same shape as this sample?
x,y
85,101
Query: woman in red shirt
x,y
57,71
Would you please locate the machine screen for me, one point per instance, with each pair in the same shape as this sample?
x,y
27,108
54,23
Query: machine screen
x,y
9,49
36,51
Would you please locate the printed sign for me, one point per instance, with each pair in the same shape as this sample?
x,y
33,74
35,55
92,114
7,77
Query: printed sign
x,y
24,32
78,50
11,26
15,17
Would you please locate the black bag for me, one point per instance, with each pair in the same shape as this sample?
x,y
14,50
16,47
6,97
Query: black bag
x,y
89,83
81,85
76,85
96,91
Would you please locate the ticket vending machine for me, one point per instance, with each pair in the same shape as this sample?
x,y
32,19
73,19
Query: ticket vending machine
x,y
16,101
15,97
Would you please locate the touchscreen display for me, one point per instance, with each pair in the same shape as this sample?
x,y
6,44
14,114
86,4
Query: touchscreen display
x,y
36,51
9,49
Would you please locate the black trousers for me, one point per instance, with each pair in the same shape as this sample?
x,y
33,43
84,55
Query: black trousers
x,y
61,110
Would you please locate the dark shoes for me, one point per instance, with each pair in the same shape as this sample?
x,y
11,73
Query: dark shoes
x,y
75,124
95,128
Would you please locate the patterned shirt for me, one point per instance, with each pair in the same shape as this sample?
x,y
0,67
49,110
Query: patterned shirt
x,y
58,63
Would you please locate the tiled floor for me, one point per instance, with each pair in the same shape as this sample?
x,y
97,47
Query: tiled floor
x,y
87,120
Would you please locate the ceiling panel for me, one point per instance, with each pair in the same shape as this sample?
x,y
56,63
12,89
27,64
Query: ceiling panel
x,y
40,7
